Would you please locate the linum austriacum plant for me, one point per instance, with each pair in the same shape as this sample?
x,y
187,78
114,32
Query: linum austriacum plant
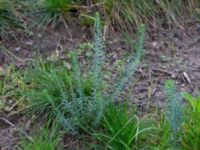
x,y
75,100
182,124
78,101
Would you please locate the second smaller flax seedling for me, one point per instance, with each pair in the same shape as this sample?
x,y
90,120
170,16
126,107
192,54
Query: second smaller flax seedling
x,y
133,63
174,112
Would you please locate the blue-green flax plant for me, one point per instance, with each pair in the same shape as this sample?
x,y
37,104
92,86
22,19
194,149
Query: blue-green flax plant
x,y
96,68
174,112
75,99
132,65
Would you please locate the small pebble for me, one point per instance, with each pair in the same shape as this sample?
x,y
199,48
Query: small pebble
x,y
17,49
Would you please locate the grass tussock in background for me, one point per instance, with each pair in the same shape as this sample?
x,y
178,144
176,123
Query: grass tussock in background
x,y
8,16
115,14
121,14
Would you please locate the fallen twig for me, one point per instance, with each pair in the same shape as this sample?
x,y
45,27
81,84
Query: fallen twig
x,y
164,71
186,77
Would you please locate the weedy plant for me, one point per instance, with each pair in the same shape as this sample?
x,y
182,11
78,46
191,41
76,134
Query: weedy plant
x,y
191,126
174,113
11,87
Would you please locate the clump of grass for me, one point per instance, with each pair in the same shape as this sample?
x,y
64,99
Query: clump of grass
x,y
122,129
162,138
5,11
59,92
8,17
126,13
191,125
174,112
116,14
52,12
46,138
11,89
194,102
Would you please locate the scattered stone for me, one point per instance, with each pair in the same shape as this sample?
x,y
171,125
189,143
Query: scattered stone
x,y
17,49
29,43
